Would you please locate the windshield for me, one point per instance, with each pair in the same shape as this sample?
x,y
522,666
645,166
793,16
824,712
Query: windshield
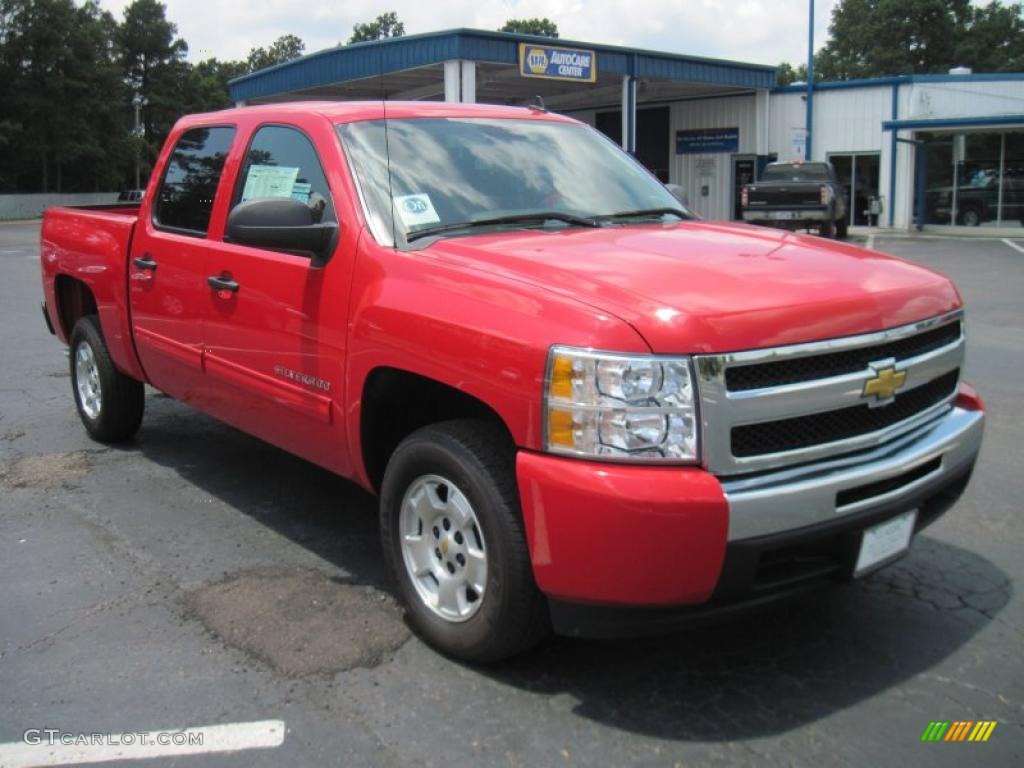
x,y
495,172
796,172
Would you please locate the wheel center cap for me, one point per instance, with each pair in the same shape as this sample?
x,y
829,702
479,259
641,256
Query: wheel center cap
x,y
444,545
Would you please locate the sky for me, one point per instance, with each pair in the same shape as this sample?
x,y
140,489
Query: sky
x,y
756,31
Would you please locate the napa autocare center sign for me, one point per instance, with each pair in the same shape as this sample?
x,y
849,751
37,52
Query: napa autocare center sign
x,y
553,62
705,141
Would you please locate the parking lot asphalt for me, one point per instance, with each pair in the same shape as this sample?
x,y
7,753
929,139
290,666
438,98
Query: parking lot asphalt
x,y
198,577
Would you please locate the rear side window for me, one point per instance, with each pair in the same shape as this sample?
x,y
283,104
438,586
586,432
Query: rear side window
x,y
282,162
185,199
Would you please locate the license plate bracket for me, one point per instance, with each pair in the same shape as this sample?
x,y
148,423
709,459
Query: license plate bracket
x,y
884,542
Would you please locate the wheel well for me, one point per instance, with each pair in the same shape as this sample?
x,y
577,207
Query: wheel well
x,y
396,403
74,301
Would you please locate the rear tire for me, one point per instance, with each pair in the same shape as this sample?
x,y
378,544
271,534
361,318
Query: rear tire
x,y
109,403
453,539
842,228
827,229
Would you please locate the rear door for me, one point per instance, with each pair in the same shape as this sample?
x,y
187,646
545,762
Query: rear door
x,y
275,346
168,260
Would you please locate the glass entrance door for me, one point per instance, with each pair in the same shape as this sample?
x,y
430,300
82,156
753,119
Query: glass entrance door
x,y
858,173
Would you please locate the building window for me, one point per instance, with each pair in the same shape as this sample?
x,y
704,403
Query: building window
x,y
973,179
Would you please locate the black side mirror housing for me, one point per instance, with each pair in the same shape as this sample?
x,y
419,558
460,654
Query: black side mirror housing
x,y
282,224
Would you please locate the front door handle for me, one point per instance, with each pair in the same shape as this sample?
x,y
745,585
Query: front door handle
x,y
145,261
221,283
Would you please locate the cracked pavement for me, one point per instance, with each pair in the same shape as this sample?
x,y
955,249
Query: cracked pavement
x,y
191,577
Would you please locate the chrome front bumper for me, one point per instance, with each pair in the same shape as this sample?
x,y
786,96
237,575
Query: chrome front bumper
x,y
805,496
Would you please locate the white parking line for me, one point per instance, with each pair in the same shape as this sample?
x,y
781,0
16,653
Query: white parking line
x,y
231,737
1014,245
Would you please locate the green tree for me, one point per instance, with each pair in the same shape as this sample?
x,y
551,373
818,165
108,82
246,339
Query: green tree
x,y
207,86
155,70
61,116
870,38
787,74
544,27
385,25
993,39
285,48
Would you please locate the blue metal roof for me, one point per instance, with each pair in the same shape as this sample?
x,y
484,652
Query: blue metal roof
x,y
875,82
379,57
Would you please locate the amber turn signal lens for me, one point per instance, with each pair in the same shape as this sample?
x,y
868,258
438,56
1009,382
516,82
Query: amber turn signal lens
x,y
560,429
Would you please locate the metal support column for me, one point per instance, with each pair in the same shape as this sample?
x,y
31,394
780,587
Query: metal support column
x,y
808,152
453,81
629,113
468,73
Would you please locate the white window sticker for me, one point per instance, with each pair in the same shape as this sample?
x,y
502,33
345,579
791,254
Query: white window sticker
x,y
416,210
269,181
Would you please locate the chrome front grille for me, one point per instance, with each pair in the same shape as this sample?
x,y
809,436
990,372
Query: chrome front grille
x,y
771,408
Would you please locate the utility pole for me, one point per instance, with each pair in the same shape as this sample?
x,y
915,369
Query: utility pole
x,y
138,101
810,84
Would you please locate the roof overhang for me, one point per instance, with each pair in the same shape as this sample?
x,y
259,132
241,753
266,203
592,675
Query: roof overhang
x,y
411,67
946,123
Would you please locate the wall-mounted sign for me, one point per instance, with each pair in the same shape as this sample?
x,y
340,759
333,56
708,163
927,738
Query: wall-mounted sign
x,y
706,166
553,62
703,141
798,142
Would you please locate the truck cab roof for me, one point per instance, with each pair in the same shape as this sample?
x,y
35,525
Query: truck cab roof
x,y
353,111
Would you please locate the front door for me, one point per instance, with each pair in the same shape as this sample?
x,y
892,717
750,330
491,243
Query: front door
x,y
275,342
743,172
167,263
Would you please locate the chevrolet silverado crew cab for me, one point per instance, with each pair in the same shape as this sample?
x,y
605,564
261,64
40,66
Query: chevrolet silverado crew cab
x,y
582,408
798,195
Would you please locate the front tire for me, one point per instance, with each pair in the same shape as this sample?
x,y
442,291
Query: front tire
x,y
970,217
453,538
109,403
827,229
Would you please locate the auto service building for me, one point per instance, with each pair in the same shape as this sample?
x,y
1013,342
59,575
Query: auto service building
x,y
914,150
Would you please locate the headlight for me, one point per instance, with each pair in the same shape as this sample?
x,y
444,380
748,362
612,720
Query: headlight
x,y
620,407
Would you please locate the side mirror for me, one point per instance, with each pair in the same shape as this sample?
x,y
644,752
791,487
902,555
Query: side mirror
x,y
679,194
282,224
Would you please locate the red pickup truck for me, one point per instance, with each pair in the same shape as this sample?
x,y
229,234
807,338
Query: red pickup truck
x,y
582,407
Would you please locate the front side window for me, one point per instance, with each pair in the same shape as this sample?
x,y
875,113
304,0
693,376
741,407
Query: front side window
x,y
281,162
185,199
448,172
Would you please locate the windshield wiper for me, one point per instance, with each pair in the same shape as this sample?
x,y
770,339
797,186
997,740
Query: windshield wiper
x,y
517,218
644,212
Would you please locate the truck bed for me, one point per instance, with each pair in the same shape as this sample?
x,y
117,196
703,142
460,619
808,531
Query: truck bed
x,y
90,243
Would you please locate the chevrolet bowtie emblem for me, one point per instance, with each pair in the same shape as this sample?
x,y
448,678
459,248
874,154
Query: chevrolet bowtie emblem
x,y
884,383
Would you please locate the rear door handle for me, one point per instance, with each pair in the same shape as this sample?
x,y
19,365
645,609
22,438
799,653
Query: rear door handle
x,y
221,283
145,261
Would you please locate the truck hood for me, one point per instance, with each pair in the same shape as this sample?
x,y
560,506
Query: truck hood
x,y
700,287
